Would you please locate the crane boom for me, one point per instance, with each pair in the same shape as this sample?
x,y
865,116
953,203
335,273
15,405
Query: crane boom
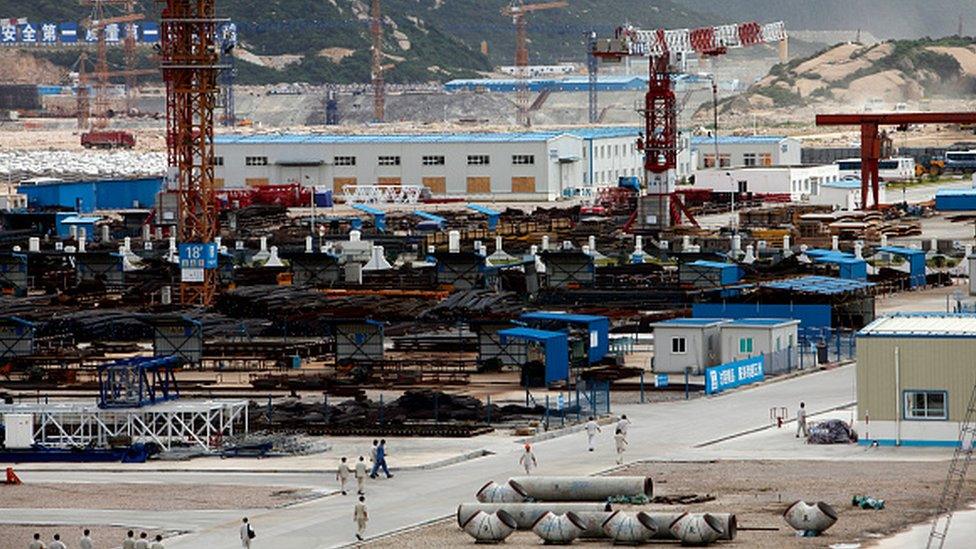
x,y
519,9
631,41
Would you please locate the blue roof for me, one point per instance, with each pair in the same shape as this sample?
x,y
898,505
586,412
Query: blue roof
x,y
763,322
898,250
564,317
462,137
531,334
956,192
714,264
736,139
843,184
80,219
824,285
701,322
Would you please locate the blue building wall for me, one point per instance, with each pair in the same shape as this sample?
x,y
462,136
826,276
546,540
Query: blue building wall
x,y
88,196
810,316
955,200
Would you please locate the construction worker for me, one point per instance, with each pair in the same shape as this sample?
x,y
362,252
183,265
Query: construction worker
x,y
621,439
37,543
528,460
361,476
360,517
86,542
623,424
158,544
143,541
247,534
801,421
56,544
372,453
130,540
342,475
379,461
591,430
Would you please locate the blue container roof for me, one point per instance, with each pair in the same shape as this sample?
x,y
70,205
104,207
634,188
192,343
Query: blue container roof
x,y
531,334
564,317
763,322
699,322
956,192
899,250
714,264
824,285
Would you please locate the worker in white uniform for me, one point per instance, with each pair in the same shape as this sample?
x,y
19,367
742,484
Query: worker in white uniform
x,y
621,439
143,541
86,542
623,424
361,473
528,460
591,430
360,517
130,540
56,544
342,475
801,421
158,544
37,543
247,534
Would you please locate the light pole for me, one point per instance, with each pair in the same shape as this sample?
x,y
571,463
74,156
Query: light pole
x,y
734,189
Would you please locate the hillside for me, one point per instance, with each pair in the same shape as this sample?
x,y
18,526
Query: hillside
x,y
852,75
321,41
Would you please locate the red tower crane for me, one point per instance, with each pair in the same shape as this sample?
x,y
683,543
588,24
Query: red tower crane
x,y
660,140
517,10
190,64
871,138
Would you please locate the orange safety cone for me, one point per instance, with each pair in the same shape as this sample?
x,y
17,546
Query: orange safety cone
x,y
12,477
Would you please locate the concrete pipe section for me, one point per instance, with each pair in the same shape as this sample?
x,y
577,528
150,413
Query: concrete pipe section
x,y
525,514
593,522
697,528
559,529
630,527
581,488
489,527
492,492
813,519
730,527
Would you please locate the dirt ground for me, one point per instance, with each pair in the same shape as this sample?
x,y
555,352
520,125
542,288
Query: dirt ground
x,y
133,496
758,492
18,537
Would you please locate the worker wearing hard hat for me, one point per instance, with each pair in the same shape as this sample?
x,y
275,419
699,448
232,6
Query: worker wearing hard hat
x,y
528,460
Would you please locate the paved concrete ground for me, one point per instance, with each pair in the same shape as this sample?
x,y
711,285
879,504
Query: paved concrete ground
x,y
661,431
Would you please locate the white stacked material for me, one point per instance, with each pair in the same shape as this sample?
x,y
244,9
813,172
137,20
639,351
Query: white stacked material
x,y
74,165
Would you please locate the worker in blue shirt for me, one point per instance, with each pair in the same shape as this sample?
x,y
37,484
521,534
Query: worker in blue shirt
x,y
380,461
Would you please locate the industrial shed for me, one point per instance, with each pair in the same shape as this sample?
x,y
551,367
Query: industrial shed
x,y
682,343
915,376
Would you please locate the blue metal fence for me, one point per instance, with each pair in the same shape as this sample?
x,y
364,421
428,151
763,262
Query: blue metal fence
x,y
826,345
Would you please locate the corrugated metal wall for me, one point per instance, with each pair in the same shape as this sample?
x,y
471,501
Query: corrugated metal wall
x,y
95,195
927,363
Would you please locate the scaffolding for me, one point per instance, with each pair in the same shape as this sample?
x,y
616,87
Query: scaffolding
x,y
201,424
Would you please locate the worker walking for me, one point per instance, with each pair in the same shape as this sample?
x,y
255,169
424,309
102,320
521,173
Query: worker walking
x,y
342,475
621,439
623,424
143,541
56,544
158,544
372,453
360,517
380,461
591,430
528,460
37,543
247,534
86,542
130,540
801,421
361,476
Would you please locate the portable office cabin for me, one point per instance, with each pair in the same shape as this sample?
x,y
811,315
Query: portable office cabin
x,y
597,329
748,337
914,378
683,343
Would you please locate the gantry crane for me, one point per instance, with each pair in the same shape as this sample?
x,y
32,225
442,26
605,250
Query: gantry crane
x,y
517,10
190,61
660,139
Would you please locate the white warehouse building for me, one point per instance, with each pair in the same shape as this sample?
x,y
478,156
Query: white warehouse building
x,y
541,165
751,150
799,182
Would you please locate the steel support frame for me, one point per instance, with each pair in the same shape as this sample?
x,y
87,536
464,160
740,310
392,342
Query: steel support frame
x,y
382,194
660,137
190,64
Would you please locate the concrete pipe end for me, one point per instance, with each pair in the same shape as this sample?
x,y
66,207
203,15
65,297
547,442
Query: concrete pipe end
x,y
647,521
506,518
576,520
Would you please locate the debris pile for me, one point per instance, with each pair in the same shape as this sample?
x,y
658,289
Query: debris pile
x,y
832,431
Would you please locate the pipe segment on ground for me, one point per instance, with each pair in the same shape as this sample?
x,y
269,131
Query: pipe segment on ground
x,y
559,529
489,527
632,528
593,522
525,514
664,521
814,518
697,528
492,492
581,488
